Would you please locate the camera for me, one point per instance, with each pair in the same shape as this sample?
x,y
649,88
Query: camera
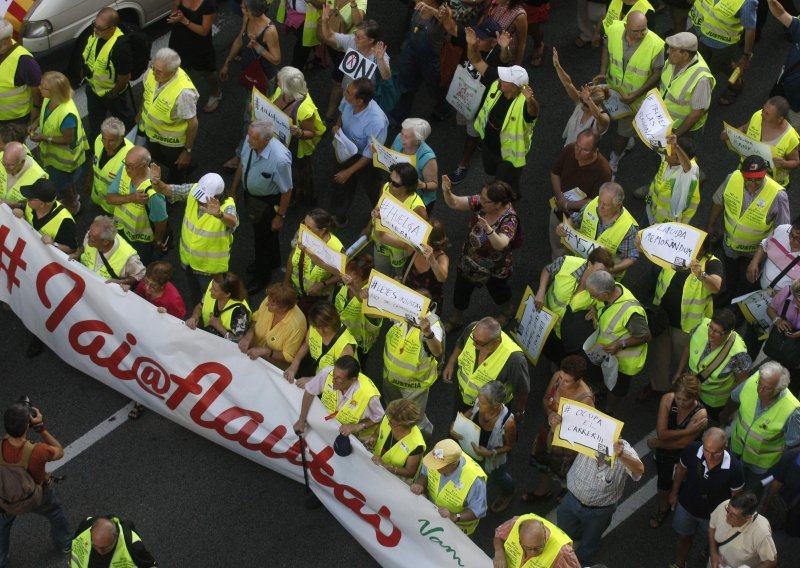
x,y
24,400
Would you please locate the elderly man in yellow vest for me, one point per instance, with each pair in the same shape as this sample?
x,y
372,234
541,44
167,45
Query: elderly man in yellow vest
x,y
631,64
455,483
530,540
485,353
102,541
754,204
20,75
19,169
111,257
110,149
622,332
107,68
618,10
168,115
605,220
767,423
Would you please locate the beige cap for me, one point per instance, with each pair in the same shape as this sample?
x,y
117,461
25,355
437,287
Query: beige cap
x,y
683,40
443,454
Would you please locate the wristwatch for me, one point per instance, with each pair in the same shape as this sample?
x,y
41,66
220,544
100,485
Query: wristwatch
x,y
458,517
188,150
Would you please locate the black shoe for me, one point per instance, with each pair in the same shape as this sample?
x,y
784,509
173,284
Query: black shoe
x,y
312,502
35,348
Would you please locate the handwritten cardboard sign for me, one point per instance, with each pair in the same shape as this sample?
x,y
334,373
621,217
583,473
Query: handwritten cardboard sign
x,y
653,122
356,66
671,244
402,221
745,146
585,429
319,248
389,299
578,243
263,109
754,307
615,107
533,326
384,158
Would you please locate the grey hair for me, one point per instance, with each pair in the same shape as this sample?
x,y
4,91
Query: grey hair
x,y
601,281
108,230
292,83
494,391
419,126
795,287
169,56
619,193
114,126
717,433
6,29
256,7
773,368
492,326
263,127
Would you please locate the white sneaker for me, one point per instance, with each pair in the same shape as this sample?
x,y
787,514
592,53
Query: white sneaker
x,y
613,162
630,145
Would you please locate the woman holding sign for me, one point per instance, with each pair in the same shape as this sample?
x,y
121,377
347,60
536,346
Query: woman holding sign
x,y
428,268
411,140
327,340
365,329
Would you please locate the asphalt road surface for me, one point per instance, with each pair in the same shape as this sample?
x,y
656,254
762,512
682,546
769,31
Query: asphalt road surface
x,y
198,505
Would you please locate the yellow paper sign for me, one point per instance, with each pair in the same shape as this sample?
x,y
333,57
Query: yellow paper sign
x,y
387,298
533,326
586,430
335,261
383,157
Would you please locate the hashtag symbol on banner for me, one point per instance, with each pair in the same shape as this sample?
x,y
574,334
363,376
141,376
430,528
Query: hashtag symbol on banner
x,y
11,259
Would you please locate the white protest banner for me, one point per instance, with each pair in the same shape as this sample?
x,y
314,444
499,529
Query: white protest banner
x,y
533,326
615,107
389,299
402,221
586,429
745,146
671,244
384,158
263,109
465,93
754,307
652,121
321,250
203,383
356,66
577,242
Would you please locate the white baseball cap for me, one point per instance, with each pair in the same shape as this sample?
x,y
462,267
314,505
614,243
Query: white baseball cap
x,y
209,186
514,74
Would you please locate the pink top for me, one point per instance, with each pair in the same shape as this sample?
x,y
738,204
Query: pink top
x,y
170,300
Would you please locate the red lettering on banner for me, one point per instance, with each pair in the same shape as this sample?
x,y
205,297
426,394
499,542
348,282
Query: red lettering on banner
x,y
67,302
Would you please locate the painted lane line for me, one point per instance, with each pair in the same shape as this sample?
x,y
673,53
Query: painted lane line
x,y
632,504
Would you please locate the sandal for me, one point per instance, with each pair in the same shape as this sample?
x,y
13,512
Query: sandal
x,y
530,496
536,60
501,503
136,411
658,518
212,103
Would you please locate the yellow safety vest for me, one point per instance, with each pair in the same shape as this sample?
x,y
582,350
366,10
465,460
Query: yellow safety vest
x,y
104,176
117,260
157,122
661,192
360,326
677,93
614,11
132,218
745,231
205,240
760,441
561,292
225,313
29,176
333,353
612,237
352,411
611,323
82,549
398,454
310,38
471,379
60,156
716,389
54,224
103,76
397,256
545,559
696,300
453,495
630,77
406,363
15,101
515,134
719,21
311,273
785,145
306,110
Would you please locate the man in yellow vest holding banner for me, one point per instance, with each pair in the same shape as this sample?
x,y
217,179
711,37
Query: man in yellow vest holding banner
x,y
530,541
111,257
19,169
109,541
20,75
455,483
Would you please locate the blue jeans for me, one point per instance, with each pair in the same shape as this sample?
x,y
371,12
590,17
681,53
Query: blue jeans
x,y
585,524
51,508
503,479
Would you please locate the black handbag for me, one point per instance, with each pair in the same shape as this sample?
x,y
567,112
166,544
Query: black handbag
x,y
782,348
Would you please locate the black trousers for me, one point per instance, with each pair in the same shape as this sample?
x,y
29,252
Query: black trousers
x,y
265,240
98,108
343,194
165,157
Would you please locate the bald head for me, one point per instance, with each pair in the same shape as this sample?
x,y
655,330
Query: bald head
x,y
635,27
137,160
14,155
104,533
532,536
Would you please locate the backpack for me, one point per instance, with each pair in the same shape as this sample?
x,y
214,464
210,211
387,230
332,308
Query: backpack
x,y
141,46
19,492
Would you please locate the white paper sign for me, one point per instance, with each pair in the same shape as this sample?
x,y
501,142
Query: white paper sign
x,y
470,434
263,109
745,146
356,66
401,221
615,107
388,298
534,326
321,250
465,93
754,307
653,122
577,242
585,429
384,158
671,244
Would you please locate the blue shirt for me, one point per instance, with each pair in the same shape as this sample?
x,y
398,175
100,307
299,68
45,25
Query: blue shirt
x,y
157,204
424,155
747,16
476,496
361,127
270,172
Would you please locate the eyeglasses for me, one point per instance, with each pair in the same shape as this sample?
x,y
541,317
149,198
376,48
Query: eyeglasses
x,y
713,454
582,149
713,330
480,343
734,513
129,165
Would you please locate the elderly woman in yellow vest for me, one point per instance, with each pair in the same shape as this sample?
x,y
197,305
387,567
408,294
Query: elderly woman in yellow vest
x,y
498,436
455,483
18,170
118,263
428,268
278,328
347,394
21,102
618,10
310,277
207,228
411,140
327,340
62,141
224,310
293,98
674,193
767,423
110,149
348,301
717,355
562,289
631,64
686,84
398,444
622,332
605,220
754,204
532,541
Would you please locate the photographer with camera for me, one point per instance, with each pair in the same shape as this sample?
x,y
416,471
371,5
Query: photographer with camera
x,y
25,486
